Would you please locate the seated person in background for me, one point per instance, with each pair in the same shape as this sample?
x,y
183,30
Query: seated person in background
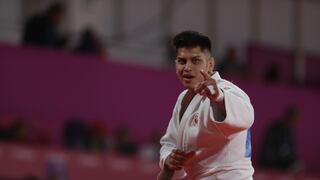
x,y
271,73
89,43
42,29
99,137
20,131
278,149
75,134
124,143
230,64
150,150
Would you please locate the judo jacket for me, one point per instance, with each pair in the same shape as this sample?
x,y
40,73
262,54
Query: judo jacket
x,y
223,148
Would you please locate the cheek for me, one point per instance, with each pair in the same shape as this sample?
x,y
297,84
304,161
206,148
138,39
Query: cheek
x,y
179,74
207,68
179,69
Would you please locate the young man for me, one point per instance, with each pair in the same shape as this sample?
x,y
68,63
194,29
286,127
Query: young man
x,y
208,135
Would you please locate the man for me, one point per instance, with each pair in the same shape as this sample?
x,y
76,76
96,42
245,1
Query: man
x,y
42,29
278,148
208,135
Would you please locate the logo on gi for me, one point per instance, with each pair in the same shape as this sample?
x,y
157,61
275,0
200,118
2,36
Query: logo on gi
x,y
195,119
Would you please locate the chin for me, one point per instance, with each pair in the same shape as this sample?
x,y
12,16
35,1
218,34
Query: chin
x,y
188,86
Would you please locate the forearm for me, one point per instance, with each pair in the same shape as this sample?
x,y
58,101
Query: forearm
x,y
219,110
165,174
238,113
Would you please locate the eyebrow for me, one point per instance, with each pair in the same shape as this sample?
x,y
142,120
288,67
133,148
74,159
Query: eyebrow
x,y
196,56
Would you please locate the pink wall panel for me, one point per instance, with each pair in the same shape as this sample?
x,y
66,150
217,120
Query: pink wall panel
x,y
47,87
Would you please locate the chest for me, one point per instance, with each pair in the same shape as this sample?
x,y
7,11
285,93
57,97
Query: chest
x,y
196,129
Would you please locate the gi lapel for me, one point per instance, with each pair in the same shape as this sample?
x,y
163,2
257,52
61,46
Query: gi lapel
x,y
185,103
191,103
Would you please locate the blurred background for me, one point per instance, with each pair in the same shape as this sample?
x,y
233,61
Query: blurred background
x,y
88,86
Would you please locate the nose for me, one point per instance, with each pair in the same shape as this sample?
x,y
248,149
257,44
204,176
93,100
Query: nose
x,y
188,66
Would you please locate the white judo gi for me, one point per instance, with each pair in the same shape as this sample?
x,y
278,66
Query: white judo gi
x,y
223,149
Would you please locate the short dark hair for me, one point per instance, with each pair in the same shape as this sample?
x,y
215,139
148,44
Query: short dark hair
x,y
191,39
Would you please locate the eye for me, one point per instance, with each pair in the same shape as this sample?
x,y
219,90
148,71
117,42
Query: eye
x,y
181,61
196,61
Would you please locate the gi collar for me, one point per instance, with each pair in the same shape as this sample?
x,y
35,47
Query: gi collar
x,y
216,75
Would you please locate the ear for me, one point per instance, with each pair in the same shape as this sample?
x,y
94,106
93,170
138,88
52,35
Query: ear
x,y
211,64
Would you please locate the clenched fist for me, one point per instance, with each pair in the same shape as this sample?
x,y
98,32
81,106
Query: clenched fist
x,y
177,159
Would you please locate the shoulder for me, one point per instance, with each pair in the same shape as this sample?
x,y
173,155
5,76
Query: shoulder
x,y
228,86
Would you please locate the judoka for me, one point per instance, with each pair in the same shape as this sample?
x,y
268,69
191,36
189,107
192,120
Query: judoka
x,y
208,136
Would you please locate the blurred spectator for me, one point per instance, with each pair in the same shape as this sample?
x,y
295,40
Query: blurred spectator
x,y
4,126
278,149
272,73
230,64
75,134
89,43
99,137
124,143
20,131
43,136
42,29
151,149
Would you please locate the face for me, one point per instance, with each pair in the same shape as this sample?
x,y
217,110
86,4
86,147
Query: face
x,y
189,63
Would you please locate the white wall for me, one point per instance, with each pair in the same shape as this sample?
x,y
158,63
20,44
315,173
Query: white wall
x,y
311,26
10,18
189,15
143,28
233,26
277,23
142,33
84,13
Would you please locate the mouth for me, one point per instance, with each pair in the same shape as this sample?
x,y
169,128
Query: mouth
x,y
187,77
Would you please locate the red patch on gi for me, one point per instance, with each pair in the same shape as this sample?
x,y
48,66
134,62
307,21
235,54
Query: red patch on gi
x,y
195,120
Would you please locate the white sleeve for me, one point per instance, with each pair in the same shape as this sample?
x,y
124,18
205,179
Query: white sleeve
x,y
169,140
239,111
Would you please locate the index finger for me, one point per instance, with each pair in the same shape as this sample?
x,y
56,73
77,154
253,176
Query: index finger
x,y
205,75
177,151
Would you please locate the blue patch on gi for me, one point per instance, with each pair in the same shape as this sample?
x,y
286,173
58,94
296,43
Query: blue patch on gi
x,y
248,144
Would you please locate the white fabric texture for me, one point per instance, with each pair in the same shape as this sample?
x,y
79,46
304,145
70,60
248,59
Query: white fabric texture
x,y
222,148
